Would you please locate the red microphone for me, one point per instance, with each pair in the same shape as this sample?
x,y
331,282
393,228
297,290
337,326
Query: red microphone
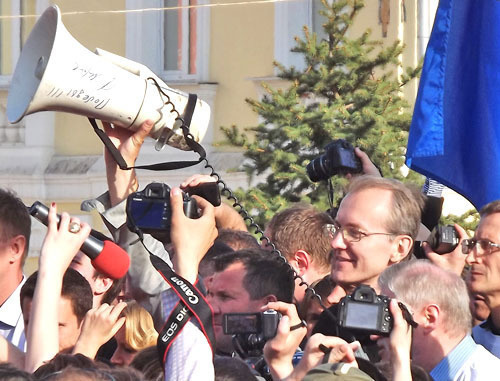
x,y
107,257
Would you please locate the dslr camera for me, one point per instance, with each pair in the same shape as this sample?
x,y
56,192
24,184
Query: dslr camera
x,y
251,330
339,158
365,311
442,240
149,210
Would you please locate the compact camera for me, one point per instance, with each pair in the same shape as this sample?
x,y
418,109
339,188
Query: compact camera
x,y
365,311
262,323
442,240
339,158
251,330
149,210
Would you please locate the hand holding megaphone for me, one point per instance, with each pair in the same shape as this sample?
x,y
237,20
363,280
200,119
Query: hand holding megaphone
x,y
107,257
56,73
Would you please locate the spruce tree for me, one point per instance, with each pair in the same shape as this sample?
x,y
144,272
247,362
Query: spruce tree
x,y
348,89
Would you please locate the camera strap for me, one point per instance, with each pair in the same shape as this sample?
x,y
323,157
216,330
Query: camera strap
x,y
192,303
183,123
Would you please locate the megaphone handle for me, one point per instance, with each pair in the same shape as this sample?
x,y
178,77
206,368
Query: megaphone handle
x,y
109,146
166,166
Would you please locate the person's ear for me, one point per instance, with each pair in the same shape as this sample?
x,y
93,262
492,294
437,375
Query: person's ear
x,y
402,248
301,261
16,246
431,317
268,299
102,284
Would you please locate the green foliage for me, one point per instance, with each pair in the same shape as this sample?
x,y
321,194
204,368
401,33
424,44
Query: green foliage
x,y
469,220
347,90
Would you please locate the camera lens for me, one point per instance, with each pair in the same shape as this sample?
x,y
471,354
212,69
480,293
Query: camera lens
x,y
316,169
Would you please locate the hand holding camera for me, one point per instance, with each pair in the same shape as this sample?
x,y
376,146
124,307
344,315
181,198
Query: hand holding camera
x,y
443,247
395,349
366,312
191,237
339,158
280,350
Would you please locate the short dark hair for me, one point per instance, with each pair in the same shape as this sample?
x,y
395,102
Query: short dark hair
x,y
148,363
8,372
232,369
78,366
207,266
237,239
14,219
112,292
266,274
490,208
75,288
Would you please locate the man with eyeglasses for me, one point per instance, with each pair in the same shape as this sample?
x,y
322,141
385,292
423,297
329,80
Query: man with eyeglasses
x,y
483,257
375,227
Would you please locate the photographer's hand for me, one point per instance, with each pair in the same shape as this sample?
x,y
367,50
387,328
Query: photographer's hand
x,y
314,353
191,237
226,217
279,351
368,167
121,183
453,261
395,349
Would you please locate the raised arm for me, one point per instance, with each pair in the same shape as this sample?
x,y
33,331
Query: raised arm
x,y
121,183
190,348
58,249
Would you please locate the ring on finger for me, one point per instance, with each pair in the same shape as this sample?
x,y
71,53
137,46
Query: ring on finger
x,y
74,227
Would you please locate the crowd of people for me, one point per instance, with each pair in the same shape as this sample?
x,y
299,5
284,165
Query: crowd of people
x,y
170,317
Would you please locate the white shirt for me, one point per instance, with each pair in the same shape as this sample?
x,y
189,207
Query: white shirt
x,y
190,356
484,335
11,319
468,361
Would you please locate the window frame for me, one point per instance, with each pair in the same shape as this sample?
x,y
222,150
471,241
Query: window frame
x,y
148,26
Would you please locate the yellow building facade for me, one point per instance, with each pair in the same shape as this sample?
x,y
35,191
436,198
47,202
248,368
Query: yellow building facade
x,y
221,50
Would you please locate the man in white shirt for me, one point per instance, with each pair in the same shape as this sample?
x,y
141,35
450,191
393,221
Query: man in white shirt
x,y
15,228
483,257
442,343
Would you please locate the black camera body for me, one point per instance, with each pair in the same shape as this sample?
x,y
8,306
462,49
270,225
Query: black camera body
x,y
442,240
365,311
339,158
251,330
149,210
264,323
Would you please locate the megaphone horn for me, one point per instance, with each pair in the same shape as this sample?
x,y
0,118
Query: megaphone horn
x,y
56,73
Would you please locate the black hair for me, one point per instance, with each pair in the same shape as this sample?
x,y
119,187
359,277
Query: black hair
x,y
232,369
265,274
14,219
112,292
237,239
8,372
75,288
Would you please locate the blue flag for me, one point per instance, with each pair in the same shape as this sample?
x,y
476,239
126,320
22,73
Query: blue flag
x,y
455,131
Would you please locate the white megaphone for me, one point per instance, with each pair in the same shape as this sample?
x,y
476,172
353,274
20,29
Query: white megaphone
x,y
56,73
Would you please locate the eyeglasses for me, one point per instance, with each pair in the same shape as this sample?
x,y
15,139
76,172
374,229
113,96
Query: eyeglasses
x,y
349,233
485,245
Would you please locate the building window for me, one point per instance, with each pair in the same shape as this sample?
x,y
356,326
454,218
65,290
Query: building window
x,y
290,18
177,47
180,37
14,31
